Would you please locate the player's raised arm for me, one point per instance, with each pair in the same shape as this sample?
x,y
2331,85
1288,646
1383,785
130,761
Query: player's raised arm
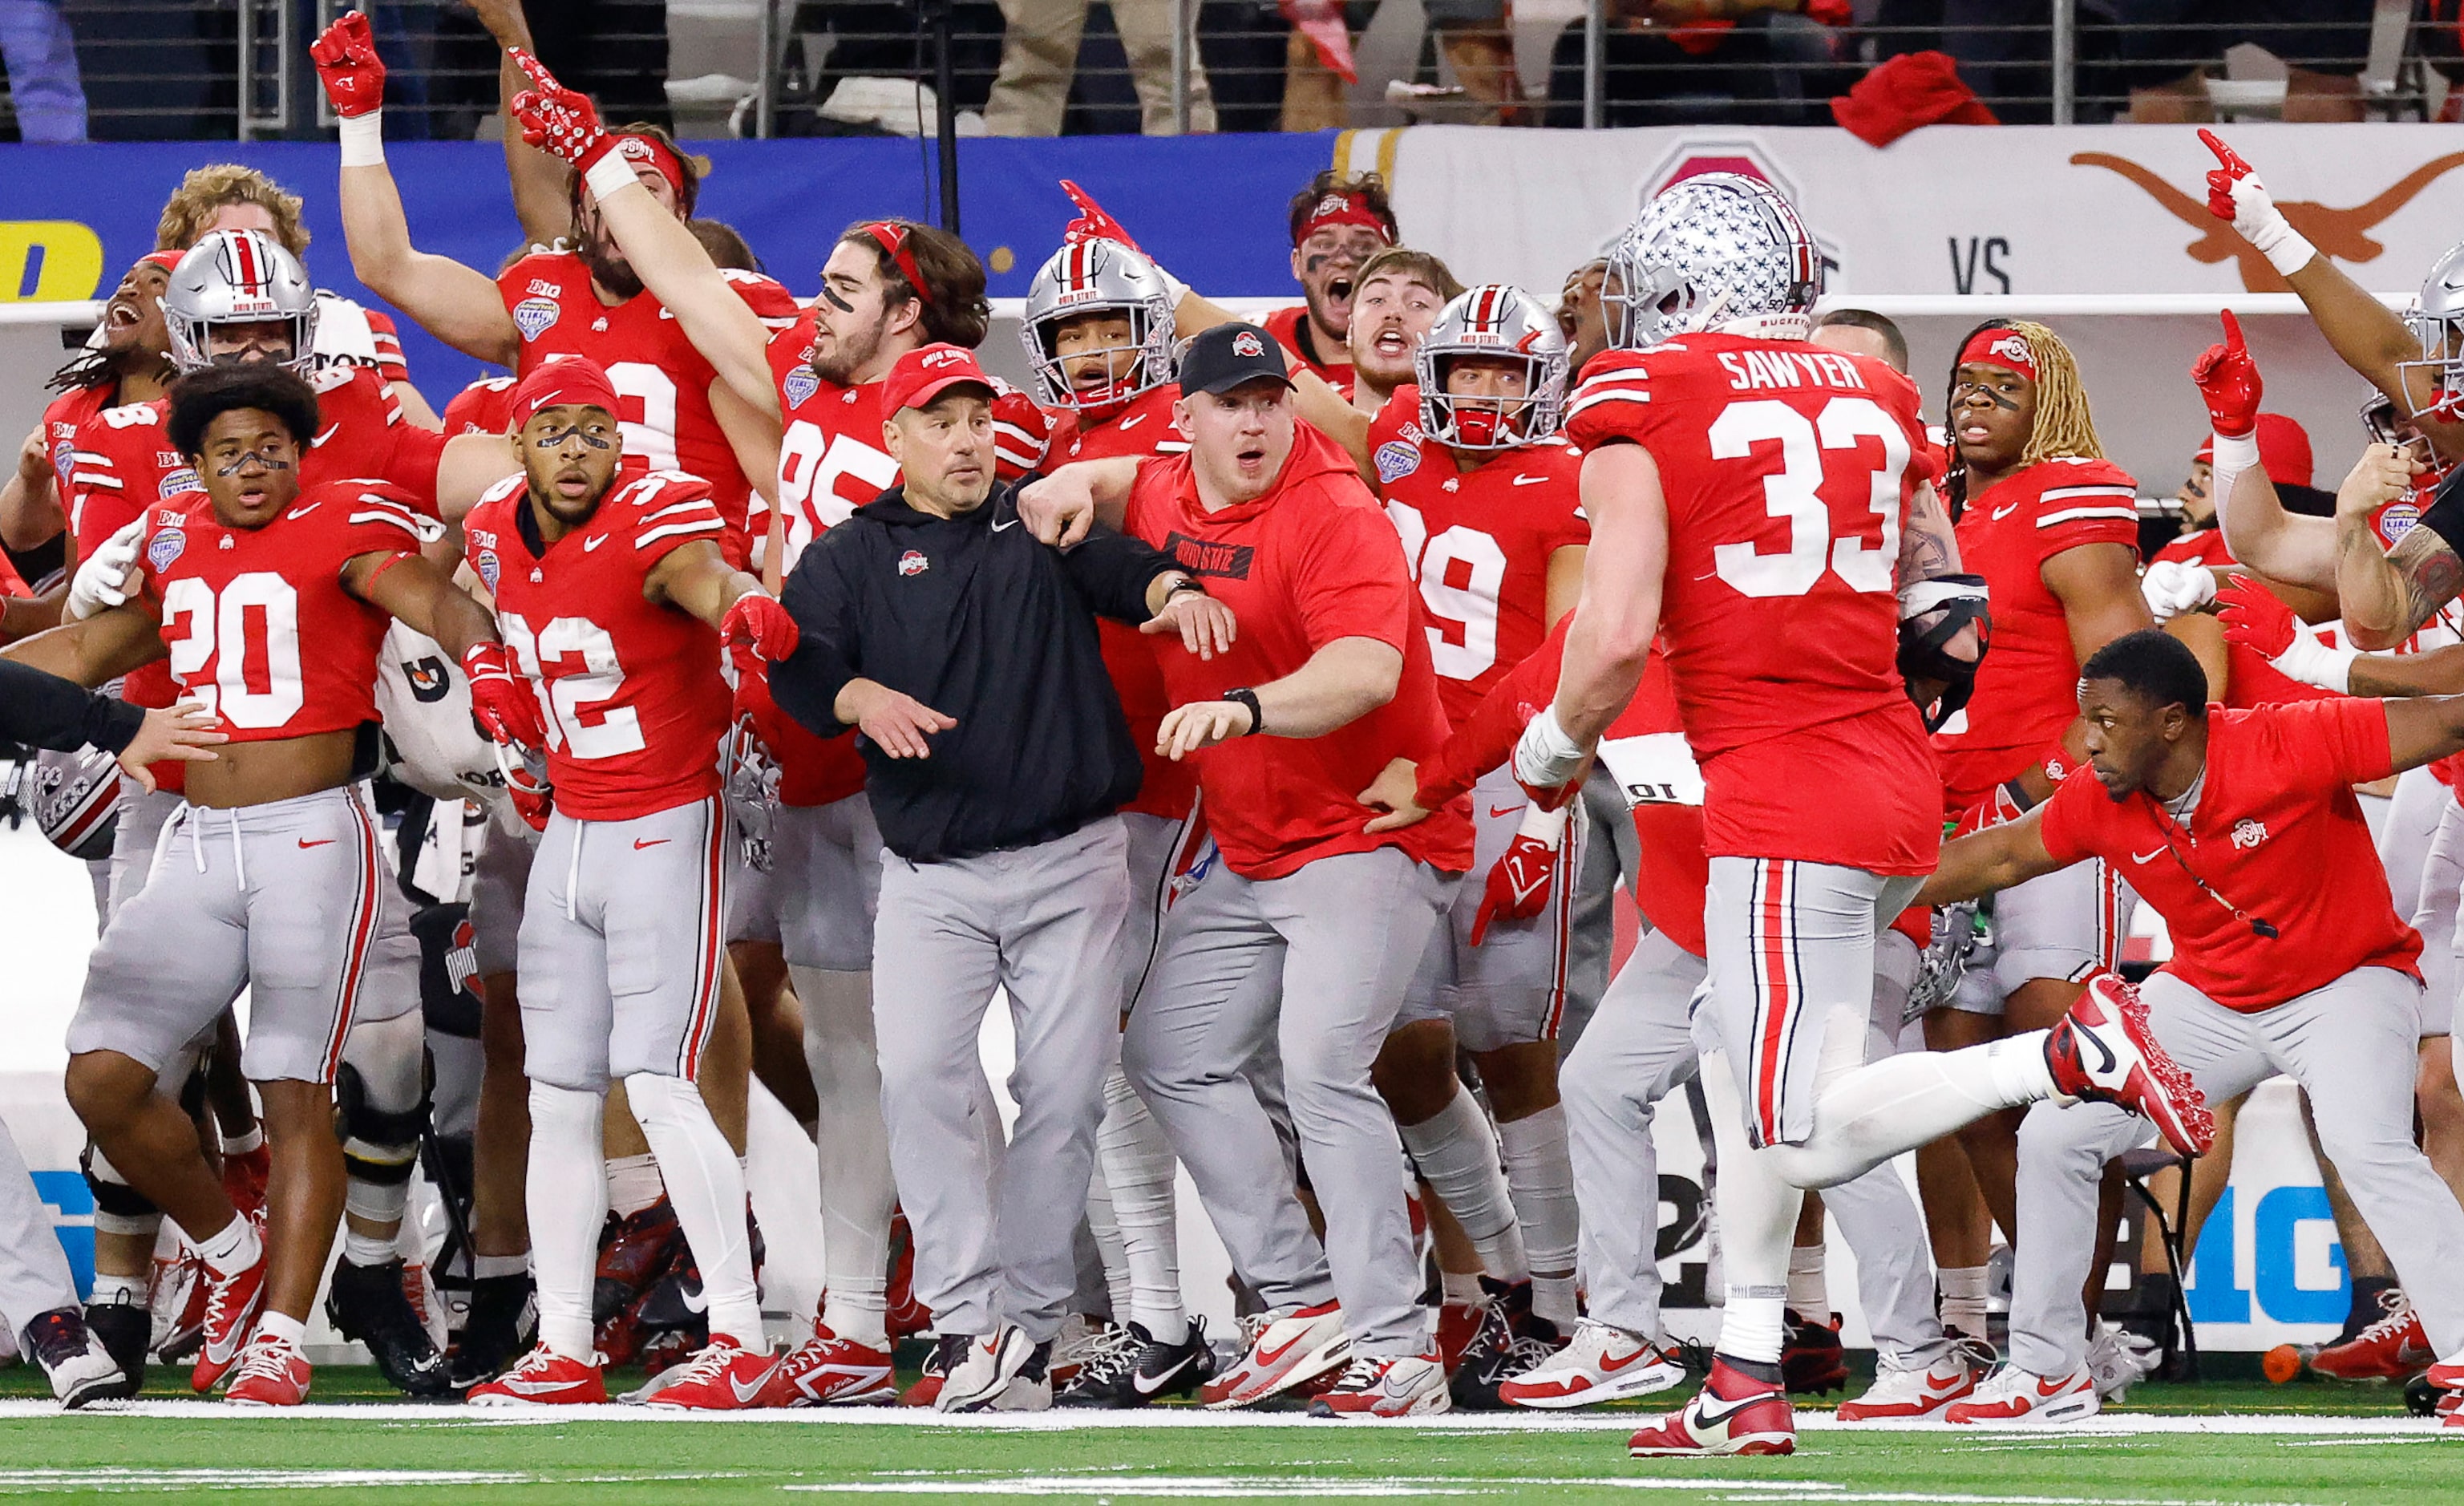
x,y
537,179
456,303
657,245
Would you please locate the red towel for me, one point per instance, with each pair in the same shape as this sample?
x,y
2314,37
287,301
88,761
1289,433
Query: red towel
x,y
1912,90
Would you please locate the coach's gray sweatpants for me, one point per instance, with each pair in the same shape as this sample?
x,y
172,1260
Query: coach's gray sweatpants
x,y
1612,856
995,1245
1318,961
2351,1045
1640,1048
33,1271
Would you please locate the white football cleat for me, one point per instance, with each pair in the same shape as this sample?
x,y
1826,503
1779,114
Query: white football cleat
x,y
1601,1362
2012,1395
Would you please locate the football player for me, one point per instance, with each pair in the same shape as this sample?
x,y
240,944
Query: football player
x,y
1338,223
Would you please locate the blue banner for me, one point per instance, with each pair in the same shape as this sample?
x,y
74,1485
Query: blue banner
x,y
1211,208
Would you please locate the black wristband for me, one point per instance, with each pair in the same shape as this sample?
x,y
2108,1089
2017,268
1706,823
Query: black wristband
x,y
2018,796
1245,696
1186,585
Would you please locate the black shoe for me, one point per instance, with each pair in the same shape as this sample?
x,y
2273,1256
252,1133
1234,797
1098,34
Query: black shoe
x,y
126,1329
1137,1369
1810,1359
80,1370
502,1325
367,1303
1511,1340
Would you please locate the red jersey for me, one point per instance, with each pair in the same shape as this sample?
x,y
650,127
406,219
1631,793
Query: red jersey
x,y
486,406
1787,470
663,382
386,338
1311,562
1144,427
2027,690
1478,543
259,627
1291,330
2199,546
2277,833
62,417
629,690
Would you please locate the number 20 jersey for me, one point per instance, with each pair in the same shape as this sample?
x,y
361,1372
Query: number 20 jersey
x,y
629,690
1788,469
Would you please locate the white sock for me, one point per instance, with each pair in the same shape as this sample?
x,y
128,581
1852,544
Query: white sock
x,y
633,1184
367,1250
486,1268
246,1140
1809,1288
566,1205
1135,1160
1872,1113
230,1250
853,1150
283,1326
1540,1175
1757,1210
1107,1232
1456,1155
1963,1298
707,1187
109,1288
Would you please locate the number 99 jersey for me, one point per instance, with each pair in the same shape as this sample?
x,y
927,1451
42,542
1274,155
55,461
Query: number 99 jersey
x,y
629,690
259,626
1787,470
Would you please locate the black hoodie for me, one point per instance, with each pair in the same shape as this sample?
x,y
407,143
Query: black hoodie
x,y
975,618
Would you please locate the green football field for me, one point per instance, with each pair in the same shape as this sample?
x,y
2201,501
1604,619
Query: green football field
x,y
2174,1445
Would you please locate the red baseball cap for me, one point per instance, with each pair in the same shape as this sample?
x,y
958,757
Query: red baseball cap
x,y
2284,451
927,371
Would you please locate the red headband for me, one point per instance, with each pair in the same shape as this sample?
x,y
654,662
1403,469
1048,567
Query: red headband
x,y
650,150
892,239
167,261
565,382
1343,209
2006,348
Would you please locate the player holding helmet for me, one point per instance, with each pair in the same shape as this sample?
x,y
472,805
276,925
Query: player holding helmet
x,y
1751,497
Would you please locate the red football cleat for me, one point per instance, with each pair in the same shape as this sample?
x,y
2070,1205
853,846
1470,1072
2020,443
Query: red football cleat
x,y
831,1371
244,1176
2104,1048
905,1315
1284,1352
1732,1414
2394,1349
724,1377
1405,1386
544,1378
232,1305
272,1372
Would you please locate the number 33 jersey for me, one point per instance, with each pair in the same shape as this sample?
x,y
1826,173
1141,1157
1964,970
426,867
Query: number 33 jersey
x,y
259,626
1788,469
629,690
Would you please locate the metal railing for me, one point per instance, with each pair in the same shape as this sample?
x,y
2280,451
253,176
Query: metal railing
x,y
238,69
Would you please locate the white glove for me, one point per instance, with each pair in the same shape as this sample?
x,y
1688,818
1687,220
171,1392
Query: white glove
x,y
1544,757
2313,663
2174,586
108,576
2264,226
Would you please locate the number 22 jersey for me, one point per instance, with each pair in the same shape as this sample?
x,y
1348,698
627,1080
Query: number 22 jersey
x,y
1787,470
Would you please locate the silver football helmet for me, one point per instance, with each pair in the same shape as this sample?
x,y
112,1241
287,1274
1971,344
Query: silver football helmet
x,y
1098,276
2436,319
77,800
238,276
1497,321
1719,251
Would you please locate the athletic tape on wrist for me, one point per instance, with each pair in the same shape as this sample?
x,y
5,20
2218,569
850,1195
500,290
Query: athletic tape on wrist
x,y
362,138
609,173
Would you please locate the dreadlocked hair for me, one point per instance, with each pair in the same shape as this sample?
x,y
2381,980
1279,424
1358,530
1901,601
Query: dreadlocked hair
x,y
2063,429
100,366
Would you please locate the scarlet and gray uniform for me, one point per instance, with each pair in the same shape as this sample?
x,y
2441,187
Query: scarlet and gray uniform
x,y
288,897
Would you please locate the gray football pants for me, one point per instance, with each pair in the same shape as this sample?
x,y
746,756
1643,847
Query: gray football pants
x,y
1315,961
995,1244
2351,1045
1612,855
34,1270
1640,1048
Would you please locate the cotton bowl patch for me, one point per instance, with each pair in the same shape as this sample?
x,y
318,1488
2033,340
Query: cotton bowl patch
x,y
166,547
183,479
488,569
2397,520
800,384
532,316
1397,461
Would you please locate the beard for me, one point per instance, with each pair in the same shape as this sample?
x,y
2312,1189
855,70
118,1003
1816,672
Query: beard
x,y
850,354
608,267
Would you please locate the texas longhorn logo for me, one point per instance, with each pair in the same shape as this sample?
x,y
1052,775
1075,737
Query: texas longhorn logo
x,y
2341,233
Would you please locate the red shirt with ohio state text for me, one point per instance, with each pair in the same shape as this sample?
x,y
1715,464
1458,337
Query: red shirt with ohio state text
x,y
1787,470
1144,427
629,690
1478,540
258,623
1311,562
2277,833
661,378
2027,690
830,463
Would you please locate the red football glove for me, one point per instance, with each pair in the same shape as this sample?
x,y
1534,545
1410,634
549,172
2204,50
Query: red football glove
x,y
503,705
2228,379
2256,618
759,623
1022,432
1518,886
532,799
556,120
1092,223
347,66
2229,170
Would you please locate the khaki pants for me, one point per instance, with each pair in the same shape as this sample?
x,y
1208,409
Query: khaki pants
x,y
1040,53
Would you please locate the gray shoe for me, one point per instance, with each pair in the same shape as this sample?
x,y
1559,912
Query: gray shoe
x,y
1002,1372
80,1368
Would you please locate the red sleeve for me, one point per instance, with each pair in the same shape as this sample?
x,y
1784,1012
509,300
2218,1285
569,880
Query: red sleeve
x,y
1022,432
1612,403
379,519
1565,524
1488,736
770,302
107,485
670,510
387,339
412,463
2067,820
2094,502
1402,409
2339,740
1350,580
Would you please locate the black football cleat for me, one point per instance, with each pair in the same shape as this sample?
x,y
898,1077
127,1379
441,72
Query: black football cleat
x,y
368,1303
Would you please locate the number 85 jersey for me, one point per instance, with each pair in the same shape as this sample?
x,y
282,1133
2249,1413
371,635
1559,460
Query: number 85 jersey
x,y
1788,469
629,690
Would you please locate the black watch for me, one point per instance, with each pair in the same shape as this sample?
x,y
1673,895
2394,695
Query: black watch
x,y
1245,696
1186,585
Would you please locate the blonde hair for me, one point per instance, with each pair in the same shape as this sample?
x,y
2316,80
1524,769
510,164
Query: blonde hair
x,y
2062,429
1400,260
218,186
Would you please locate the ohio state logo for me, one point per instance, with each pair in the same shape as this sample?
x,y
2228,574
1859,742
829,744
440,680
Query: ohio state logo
x,y
1245,343
2247,834
2011,348
913,563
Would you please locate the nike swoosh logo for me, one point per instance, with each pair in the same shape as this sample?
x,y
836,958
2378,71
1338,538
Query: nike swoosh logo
x,y
2146,857
657,841
1149,1388
1609,1366
330,431
2000,513
1269,1357
533,1387
2101,1049
1012,524
298,513
744,1394
589,545
1131,422
1494,811
1710,1416
694,1301
1529,481
325,841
